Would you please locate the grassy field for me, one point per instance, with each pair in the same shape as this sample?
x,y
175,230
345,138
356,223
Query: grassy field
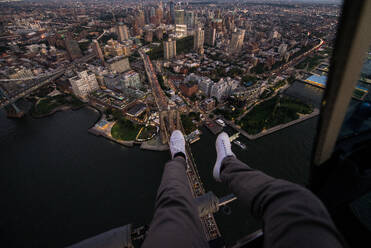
x,y
48,104
309,62
273,112
124,131
187,123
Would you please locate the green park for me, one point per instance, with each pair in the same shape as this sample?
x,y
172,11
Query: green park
x,y
49,104
125,129
273,112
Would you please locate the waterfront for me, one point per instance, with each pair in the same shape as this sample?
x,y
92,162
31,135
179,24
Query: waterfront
x,y
63,184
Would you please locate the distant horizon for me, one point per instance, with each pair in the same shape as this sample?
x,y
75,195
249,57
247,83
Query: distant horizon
x,y
262,1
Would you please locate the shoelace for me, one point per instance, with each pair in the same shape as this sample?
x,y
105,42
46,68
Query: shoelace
x,y
225,147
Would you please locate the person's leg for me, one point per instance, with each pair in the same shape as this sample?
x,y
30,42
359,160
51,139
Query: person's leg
x,y
292,215
176,222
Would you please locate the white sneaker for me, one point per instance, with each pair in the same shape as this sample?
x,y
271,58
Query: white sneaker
x,y
177,143
223,149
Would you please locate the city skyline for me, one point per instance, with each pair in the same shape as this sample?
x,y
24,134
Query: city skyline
x,y
121,76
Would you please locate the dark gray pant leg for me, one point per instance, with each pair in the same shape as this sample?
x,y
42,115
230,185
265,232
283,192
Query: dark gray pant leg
x,y
292,215
176,222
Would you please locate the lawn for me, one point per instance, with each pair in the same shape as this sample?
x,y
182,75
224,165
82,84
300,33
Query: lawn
x,y
311,62
48,104
45,106
123,130
187,123
273,112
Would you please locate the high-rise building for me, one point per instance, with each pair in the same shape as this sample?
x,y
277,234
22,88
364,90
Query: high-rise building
x,y
219,90
147,14
73,49
98,50
169,49
189,18
141,19
198,40
122,32
159,14
205,85
159,33
217,24
148,36
210,36
237,41
83,84
172,11
154,20
179,16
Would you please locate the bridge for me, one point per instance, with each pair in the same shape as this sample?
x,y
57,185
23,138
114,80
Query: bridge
x,y
11,90
170,121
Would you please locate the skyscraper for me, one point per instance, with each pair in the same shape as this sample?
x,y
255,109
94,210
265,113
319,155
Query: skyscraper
x,y
159,33
237,40
210,35
122,32
179,16
189,18
198,40
169,49
148,36
172,11
98,50
159,14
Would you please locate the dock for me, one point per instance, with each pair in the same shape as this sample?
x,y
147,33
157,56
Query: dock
x,y
213,127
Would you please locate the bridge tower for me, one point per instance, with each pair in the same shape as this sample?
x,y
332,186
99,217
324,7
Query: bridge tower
x,y
13,111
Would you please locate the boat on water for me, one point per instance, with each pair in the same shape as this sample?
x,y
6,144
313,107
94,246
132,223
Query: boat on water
x,y
240,144
220,122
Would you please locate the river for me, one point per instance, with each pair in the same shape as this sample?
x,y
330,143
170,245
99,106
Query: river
x,y
61,184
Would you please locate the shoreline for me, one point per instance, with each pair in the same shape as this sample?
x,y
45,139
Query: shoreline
x,y
273,129
144,145
57,109
101,134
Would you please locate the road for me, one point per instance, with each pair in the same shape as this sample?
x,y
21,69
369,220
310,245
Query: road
x,y
273,129
12,95
208,222
294,60
159,95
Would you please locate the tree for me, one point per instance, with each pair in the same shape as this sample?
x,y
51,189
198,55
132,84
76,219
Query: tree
x,y
193,98
108,111
258,69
